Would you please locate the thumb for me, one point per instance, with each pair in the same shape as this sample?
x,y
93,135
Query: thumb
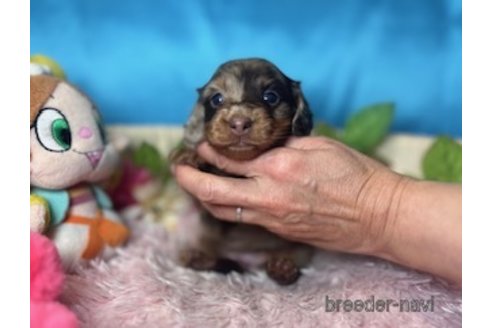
x,y
210,155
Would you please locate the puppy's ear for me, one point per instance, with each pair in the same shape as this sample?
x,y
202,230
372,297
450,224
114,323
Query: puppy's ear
x,y
302,123
194,129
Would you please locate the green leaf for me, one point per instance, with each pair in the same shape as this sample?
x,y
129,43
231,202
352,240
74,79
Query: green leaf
x,y
147,156
323,129
442,162
367,129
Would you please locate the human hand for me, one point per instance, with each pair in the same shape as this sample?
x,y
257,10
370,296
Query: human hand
x,y
313,190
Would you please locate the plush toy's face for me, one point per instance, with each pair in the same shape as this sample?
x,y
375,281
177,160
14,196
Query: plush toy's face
x,y
68,143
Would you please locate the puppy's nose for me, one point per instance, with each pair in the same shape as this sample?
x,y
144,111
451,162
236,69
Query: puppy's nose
x,y
240,125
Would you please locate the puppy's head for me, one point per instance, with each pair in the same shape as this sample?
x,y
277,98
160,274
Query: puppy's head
x,y
247,107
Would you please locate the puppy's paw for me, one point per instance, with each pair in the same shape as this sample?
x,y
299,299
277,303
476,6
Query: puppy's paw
x,y
226,266
197,260
283,270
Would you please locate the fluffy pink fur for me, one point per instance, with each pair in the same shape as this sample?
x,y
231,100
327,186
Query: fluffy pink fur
x,y
46,286
143,287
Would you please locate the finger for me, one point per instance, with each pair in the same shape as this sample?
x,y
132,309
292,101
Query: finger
x,y
230,213
248,216
292,142
216,189
243,168
309,142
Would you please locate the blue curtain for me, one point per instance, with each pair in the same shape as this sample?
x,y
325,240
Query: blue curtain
x,y
141,61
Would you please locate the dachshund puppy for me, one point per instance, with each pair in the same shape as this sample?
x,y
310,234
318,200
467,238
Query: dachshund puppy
x,y
247,107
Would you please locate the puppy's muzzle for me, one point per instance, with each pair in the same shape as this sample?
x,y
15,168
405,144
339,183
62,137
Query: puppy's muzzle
x,y
240,125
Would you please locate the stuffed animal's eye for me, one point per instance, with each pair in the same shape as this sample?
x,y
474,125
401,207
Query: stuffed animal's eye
x,y
61,133
271,98
53,130
217,100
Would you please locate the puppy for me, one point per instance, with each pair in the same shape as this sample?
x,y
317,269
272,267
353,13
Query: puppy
x,y
248,107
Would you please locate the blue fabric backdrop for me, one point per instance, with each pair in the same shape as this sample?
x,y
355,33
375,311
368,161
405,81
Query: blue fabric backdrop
x,y
141,61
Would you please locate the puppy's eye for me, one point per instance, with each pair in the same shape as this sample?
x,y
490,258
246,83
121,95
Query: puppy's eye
x,y
217,100
271,98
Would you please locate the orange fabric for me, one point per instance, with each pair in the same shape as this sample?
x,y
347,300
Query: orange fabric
x,y
101,231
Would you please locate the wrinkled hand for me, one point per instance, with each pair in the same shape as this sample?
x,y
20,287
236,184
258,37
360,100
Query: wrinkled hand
x,y
312,190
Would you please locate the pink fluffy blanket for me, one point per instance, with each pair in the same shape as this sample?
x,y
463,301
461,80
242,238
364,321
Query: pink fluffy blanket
x,y
143,287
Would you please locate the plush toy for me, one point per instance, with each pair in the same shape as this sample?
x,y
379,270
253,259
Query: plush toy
x,y
46,285
69,154
41,64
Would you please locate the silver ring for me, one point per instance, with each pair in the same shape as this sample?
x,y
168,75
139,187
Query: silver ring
x,y
239,212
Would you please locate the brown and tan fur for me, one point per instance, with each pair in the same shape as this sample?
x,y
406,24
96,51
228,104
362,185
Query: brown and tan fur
x,y
243,86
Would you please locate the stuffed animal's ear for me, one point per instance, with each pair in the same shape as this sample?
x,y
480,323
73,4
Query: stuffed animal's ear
x,y
302,123
194,128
